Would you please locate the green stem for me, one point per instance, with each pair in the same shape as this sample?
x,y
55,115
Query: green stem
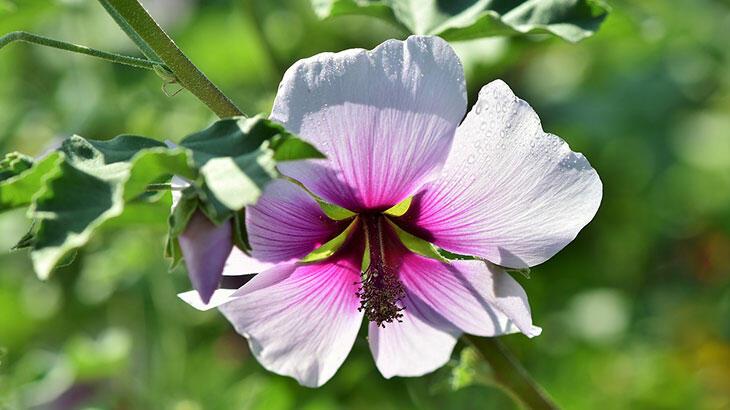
x,y
510,374
186,73
75,48
129,31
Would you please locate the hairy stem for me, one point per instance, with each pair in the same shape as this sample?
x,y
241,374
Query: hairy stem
x,y
75,48
133,15
129,31
510,374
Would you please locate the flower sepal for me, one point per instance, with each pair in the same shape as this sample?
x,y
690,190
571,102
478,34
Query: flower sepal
x,y
416,244
329,248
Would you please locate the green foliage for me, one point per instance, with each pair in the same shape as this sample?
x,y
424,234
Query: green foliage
x,y
90,187
22,178
75,191
237,158
177,221
13,164
572,20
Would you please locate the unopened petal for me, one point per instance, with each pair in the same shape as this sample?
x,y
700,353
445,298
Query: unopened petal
x,y
205,248
239,268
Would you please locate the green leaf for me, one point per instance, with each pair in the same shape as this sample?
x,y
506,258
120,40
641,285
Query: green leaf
x,y
290,148
27,240
237,157
328,249
237,182
240,236
177,221
24,179
91,188
416,244
142,212
455,20
121,148
13,164
89,184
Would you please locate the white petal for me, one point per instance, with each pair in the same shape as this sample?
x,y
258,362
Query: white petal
x,y
300,320
385,119
238,264
475,296
420,344
509,192
220,296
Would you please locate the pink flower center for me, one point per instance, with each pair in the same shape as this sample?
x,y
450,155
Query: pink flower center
x,y
381,292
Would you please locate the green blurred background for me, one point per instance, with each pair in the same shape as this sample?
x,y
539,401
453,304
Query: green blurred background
x,y
636,311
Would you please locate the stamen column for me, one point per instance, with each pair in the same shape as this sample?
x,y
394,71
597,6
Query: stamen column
x,y
381,292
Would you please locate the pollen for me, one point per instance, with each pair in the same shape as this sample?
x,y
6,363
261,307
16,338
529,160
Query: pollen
x,y
381,292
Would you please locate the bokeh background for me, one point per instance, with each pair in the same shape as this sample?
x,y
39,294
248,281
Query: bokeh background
x,y
636,311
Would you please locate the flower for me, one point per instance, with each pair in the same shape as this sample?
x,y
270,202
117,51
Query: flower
x,y
495,187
